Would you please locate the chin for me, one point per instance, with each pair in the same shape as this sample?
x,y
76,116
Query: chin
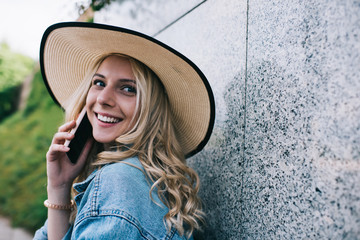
x,y
104,140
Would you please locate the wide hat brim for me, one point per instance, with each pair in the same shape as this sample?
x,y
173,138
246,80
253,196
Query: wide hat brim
x,y
69,49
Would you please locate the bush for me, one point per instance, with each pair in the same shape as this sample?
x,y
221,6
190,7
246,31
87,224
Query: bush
x,y
9,98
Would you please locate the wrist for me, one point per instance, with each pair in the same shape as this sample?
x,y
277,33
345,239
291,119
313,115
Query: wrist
x,y
64,187
59,195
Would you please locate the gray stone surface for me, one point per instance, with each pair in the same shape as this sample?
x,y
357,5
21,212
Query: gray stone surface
x,y
302,137
284,159
146,16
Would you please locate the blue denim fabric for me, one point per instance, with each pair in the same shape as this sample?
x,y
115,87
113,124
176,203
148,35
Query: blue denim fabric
x,y
114,203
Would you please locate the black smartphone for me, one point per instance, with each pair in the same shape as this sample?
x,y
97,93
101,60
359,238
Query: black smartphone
x,y
82,131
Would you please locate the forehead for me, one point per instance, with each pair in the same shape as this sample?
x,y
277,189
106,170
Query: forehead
x,y
116,66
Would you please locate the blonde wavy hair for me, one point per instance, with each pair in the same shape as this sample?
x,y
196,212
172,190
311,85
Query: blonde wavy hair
x,y
153,139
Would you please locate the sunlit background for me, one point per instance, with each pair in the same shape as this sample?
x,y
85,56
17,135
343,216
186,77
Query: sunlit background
x,y
23,22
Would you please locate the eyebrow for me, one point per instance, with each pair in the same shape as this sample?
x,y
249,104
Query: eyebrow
x,y
99,75
121,79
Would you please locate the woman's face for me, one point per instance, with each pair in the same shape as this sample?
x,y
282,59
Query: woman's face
x,y
111,100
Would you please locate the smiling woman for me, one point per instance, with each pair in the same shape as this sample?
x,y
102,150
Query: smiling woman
x,y
149,108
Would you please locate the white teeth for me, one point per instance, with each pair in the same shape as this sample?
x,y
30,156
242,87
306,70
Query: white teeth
x,y
108,119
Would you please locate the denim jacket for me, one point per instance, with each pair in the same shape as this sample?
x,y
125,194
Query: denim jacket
x,y
114,203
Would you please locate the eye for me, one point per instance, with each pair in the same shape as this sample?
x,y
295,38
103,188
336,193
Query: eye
x,y
98,83
129,89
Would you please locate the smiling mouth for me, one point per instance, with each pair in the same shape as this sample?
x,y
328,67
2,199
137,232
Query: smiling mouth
x,y
106,119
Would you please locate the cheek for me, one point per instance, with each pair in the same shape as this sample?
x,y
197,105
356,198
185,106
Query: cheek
x,y
130,108
90,98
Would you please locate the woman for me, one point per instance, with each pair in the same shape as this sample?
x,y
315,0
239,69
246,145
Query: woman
x,y
149,108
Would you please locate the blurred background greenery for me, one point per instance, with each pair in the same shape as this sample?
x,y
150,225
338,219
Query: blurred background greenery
x,y
26,135
27,125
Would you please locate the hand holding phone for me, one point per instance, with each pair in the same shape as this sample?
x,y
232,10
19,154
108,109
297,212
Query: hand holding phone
x,y
82,132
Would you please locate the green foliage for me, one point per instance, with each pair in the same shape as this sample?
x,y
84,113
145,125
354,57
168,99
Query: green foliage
x,y
25,138
96,5
14,68
9,100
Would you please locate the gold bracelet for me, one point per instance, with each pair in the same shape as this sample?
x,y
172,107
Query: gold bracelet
x,y
60,207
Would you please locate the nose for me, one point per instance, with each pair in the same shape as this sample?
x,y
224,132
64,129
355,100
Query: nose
x,y
106,97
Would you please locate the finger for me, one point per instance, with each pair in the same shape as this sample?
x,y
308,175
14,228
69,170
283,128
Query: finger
x,y
56,149
61,137
67,126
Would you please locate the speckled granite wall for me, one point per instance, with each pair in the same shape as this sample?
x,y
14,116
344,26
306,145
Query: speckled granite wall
x,y
284,159
302,134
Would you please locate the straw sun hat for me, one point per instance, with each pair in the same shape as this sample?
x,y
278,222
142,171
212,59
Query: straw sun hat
x,y
69,49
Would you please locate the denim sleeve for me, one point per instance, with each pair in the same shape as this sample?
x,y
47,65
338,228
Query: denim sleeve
x,y
41,234
107,227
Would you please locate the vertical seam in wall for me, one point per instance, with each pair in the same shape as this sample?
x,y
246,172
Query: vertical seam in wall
x,y
173,22
245,105
246,76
